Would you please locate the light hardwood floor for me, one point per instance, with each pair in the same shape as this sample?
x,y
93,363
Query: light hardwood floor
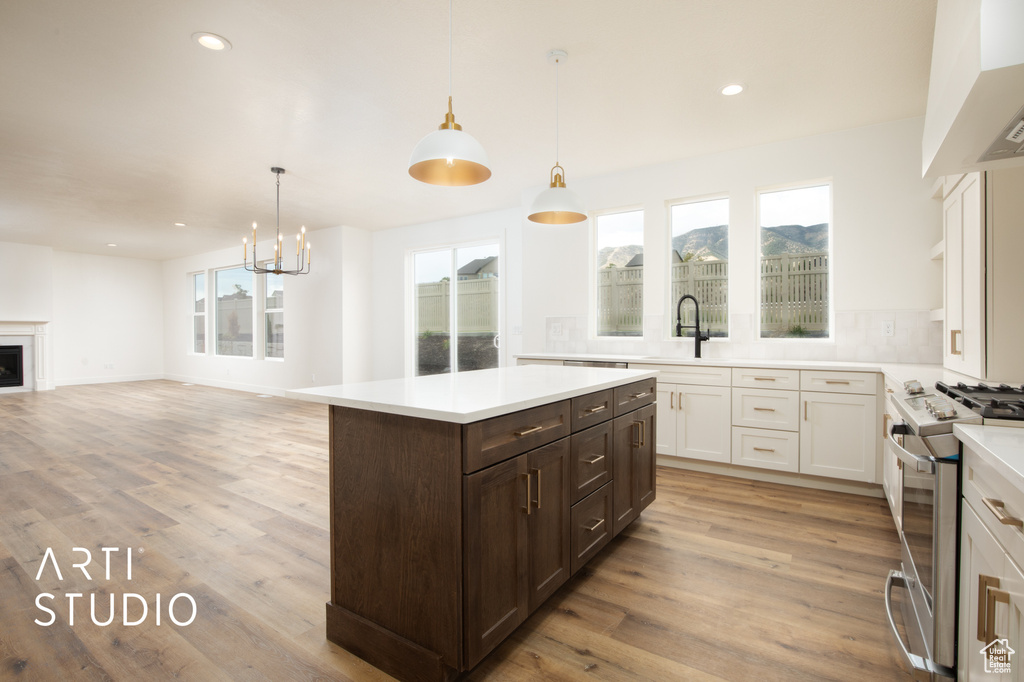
x,y
222,495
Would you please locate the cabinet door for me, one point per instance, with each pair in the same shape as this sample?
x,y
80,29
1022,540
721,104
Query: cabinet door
x,y
668,416
704,422
982,578
496,595
548,520
643,458
839,436
892,478
625,437
964,281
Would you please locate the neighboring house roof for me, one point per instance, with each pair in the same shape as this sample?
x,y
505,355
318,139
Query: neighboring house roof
x,y
474,267
636,261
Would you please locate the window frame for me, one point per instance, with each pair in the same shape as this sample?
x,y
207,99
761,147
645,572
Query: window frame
x,y
193,314
253,321
261,316
830,337
671,302
594,286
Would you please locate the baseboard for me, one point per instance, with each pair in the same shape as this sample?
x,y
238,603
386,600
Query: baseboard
x,y
82,381
768,476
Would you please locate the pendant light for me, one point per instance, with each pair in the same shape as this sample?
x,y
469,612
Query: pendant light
x,y
449,156
557,205
303,249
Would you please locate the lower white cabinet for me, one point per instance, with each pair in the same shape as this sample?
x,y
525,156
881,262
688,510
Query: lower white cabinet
x,y
766,449
838,435
892,472
694,421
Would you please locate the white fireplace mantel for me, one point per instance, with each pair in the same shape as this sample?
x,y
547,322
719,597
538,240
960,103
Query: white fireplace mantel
x,y
42,370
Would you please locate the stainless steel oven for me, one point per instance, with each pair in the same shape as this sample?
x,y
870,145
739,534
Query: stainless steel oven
x,y
929,479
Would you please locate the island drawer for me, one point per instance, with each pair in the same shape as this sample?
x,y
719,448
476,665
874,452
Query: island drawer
x,y
592,408
635,395
494,440
591,460
591,522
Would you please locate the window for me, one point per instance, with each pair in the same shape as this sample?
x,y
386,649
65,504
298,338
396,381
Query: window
x,y
274,316
234,312
795,255
700,264
473,310
619,242
199,312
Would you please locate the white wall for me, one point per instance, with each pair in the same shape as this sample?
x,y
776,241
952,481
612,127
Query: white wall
x,y
319,323
26,280
107,319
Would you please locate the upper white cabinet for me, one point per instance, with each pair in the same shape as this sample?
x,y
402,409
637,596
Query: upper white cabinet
x,y
983,276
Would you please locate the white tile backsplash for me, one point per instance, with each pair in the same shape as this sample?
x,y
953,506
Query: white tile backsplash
x,y
858,336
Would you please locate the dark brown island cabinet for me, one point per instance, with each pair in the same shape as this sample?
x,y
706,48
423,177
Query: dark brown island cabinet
x,y
446,536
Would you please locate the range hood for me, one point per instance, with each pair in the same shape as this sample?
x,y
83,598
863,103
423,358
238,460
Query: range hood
x,y
975,115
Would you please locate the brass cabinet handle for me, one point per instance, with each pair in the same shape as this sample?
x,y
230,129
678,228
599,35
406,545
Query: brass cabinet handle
x,y
594,526
886,418
984,583
764,449
527,493
764,409
805,410
953,333
643,433
671,400
637,396
595,409
999,509
594,460
764,378
994,595
537,471
527,431
837,381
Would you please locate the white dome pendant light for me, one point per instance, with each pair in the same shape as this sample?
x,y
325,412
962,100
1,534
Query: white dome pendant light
x,y
449,156
557,205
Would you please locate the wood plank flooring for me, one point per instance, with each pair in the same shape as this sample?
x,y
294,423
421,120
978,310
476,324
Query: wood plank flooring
x,y
223,495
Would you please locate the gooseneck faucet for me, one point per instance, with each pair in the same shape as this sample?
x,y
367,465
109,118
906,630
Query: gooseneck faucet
x,y
697,336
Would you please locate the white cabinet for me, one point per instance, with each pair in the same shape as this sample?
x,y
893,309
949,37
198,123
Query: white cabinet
x,y
892,484
963,293
838,435
693,421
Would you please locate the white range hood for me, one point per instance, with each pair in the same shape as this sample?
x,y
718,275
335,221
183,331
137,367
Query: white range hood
x,y
976,88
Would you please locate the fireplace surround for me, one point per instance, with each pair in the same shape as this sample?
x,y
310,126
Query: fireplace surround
x,y
37,354
11,371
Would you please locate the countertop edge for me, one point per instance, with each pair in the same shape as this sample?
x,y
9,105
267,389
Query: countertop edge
x,y
995,444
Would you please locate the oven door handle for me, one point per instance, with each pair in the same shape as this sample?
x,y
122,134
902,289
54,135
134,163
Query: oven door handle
x,y
913,660
921,463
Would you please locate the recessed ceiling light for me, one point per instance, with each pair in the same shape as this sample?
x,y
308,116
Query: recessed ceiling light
x,y
732,89
179,224
211,41
111,244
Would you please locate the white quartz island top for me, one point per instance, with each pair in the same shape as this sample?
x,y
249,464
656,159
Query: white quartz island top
x,y
1000,446
465,397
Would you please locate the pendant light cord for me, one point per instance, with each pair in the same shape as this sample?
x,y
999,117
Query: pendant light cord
x,y
449,49
557,61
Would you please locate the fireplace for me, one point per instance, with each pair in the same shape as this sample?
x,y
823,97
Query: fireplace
x,y
11,372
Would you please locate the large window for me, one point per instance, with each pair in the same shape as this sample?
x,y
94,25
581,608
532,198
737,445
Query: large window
x,y
619,240
234,312
274,316
471,309
795,255
199,312
700,264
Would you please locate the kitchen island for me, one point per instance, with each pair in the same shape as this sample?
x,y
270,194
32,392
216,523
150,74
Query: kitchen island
x,y
460,502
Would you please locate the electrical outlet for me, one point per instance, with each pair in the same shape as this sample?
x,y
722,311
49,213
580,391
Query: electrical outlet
x,y
556,329
312,377
889,328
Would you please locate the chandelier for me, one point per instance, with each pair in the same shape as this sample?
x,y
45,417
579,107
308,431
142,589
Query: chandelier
x,y
276,266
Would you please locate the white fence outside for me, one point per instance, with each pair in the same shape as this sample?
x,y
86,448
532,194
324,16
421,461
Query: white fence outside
x,y
478,306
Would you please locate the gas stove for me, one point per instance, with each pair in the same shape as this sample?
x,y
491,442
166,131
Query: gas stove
x,y
929,412
994,402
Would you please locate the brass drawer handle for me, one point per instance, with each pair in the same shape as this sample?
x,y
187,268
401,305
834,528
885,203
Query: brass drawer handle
x,y
594,460
528,431
637,396
595,409
764,449
999,510
953,333
764,378
595,526
764,409
837,381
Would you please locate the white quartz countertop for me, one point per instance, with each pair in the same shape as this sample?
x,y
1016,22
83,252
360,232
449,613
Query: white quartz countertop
x,y
1000,446
466,397
897,372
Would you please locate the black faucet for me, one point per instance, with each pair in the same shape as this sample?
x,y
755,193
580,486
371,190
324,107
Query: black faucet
x,y
697,336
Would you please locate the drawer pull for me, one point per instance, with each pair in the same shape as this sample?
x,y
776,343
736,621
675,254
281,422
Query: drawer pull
x,y
837,381
764,409
591,528
528,431
999,510
594,460
764,449
764,378
595,409
637,396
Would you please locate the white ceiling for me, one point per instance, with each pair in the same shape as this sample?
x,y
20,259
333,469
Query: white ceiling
x,y
114,124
